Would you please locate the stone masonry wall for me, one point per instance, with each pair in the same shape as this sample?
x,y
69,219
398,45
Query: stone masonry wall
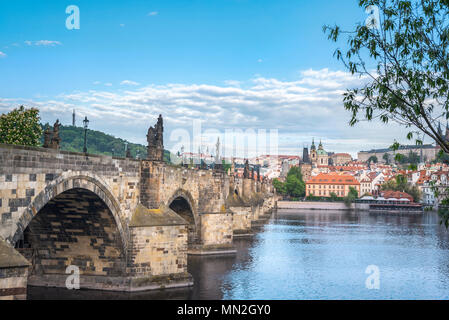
x,y
241,218
158,250
216,229
13,283
27,173
75,228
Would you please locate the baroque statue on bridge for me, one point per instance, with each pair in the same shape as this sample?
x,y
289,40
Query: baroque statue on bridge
x,y
56,140
246,170
47,137
52,138
155,140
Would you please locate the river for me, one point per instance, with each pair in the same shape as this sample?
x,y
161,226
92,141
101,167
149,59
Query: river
x,y
305,254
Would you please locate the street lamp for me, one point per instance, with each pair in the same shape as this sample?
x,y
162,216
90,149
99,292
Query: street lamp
x,y
86,123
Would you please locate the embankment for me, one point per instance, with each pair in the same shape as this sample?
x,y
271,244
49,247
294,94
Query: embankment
x,y
312,205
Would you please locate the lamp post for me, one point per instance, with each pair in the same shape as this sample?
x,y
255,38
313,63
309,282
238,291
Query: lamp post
x,y
86,123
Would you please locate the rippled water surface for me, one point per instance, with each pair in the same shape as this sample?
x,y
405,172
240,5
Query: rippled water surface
x,y
316,255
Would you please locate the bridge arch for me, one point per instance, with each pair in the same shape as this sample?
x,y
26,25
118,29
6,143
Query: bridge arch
x,y
64,183
183,204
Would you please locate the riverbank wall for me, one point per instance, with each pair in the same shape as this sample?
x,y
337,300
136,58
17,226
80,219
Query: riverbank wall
x,y
315,205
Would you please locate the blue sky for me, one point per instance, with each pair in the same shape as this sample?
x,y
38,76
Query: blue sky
x,y
251,63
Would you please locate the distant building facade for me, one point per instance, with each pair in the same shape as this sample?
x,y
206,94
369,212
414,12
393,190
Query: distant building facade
x,y
428,151
339,159
324,184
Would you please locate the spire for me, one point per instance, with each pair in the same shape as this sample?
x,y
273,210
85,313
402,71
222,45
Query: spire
x,y
313,144
320,146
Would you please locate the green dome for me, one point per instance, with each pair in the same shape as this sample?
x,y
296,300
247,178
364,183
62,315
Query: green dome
x,y
321,152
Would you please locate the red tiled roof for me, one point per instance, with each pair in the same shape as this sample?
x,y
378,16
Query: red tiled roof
x,y
325,178
396,194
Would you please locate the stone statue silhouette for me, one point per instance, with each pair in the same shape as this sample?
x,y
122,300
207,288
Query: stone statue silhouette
x,y
155,139
246,170
55,139
47,137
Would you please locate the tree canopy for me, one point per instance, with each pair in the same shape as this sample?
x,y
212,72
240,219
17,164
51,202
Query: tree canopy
x,y
351,197
402,58
373,159
293,186
21,126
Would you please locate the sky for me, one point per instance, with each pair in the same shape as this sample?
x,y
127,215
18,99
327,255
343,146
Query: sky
x,y
250,64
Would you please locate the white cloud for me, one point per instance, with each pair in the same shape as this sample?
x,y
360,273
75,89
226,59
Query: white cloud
x,y
152,13
233,83
108,84
2,54
45,43
129,83
96,82
259,60
122,25
308,107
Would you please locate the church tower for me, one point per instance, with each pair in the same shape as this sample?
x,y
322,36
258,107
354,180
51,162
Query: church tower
x,y
322,156
313,153
305,165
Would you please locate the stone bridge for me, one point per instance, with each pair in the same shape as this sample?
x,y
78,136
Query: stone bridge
x,y
125,224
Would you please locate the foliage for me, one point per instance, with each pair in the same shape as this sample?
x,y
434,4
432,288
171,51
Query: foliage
x,y
373,159
334,196
386,157
279,186
226,166
351,197
403,64
441,157
444,216
412,158
21,126
293,186
324,199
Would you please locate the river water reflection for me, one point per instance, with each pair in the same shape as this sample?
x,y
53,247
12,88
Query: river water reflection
x,y
316,255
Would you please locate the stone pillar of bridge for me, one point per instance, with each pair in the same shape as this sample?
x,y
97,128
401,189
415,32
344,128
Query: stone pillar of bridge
x,y
13,273
241,213
216,220
157,255
247,188
150,184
